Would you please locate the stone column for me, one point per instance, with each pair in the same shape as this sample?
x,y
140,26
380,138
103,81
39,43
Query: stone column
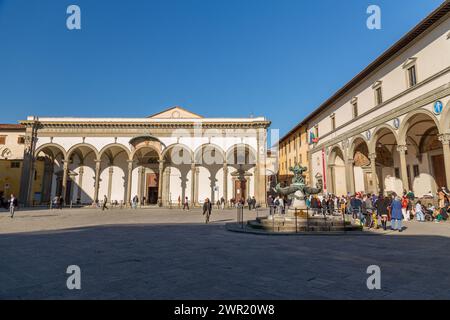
x,y
64,179
110,180
445,139
97,179
373,168
160,182
350,175
193,169
225,182
331,186
403,170
139,186
80,182
129,180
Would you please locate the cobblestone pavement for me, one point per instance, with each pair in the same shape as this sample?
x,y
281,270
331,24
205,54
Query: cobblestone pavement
x,y
170,254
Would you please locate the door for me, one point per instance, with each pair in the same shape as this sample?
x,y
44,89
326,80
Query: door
x,y
152,188
240,190
439,170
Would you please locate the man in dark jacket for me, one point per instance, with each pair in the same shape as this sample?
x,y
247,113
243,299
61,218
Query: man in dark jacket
x,y
207,208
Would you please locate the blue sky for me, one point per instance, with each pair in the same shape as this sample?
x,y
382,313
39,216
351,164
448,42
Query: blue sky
x,y
218,58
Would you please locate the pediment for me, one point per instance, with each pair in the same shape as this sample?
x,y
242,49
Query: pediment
x,y
175,113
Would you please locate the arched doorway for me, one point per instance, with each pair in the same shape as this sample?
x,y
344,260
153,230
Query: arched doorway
x,y
179,174
146,174
336,172
241,159
362,171
209,160
52,156
388,166
425,156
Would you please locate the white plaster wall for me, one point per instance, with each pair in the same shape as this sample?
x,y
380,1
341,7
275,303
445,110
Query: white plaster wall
x,y
359,179
430,61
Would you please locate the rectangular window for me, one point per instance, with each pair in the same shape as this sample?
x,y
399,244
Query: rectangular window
x,y
397,173
333,123
416,171
300,140
2,139
378,96
355,110
412,76
15,164
21,140
289,145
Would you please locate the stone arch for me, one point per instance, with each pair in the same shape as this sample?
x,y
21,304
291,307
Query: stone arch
x,y
352,145
334,150
50,146
445,119
83,145
114,145
134,152
165,153
405,125
336,172
200,149
242,146
376,136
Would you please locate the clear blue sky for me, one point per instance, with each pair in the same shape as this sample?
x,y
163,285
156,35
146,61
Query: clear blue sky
x,y
218,58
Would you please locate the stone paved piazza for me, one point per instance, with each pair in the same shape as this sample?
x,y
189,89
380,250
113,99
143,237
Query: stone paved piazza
x,y
170,254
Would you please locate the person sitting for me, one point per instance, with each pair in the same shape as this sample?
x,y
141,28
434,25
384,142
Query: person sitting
x,y
419,212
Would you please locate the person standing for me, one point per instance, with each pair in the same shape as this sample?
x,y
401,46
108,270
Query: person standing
x,y
397,214
249,203
207,208
186,204
405,201
382,206
12,205
222,203
105,201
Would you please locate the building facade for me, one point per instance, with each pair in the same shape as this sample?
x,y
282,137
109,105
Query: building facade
x,y
397,137
161,159
293,149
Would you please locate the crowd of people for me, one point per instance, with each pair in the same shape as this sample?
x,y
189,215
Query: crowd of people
x,y
371,210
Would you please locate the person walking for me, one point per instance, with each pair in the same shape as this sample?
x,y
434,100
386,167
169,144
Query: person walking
x,y
207,208
13,203
397,214
134,202
186,204
104,204
222,203
60,202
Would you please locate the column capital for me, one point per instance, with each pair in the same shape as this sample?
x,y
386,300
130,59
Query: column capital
x,y
111,169
402,148
444,138
372,156
351,161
